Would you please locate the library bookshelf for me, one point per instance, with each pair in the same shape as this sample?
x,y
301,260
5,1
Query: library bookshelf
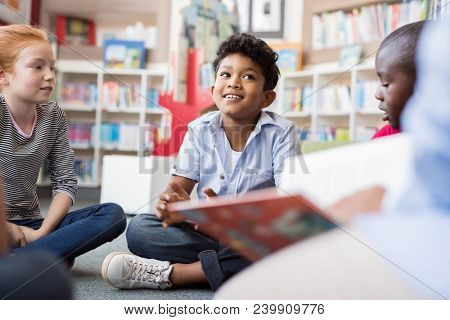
x,y
330,25
330,104
109,112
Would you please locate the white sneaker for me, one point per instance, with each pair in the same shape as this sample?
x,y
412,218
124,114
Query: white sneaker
x,y
127,271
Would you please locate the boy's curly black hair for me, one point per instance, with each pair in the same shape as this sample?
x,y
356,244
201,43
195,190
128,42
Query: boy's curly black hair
x,y
254,48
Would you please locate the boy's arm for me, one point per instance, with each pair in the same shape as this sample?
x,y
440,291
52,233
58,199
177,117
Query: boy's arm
x,y
288,146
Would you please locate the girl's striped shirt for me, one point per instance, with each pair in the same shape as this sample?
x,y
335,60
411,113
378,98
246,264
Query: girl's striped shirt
x,y
22,156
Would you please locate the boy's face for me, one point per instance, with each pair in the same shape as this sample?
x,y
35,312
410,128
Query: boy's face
x,y
33,78
238,90
395,88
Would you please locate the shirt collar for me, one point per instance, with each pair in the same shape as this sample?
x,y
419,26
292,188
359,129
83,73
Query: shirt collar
x,y
215,121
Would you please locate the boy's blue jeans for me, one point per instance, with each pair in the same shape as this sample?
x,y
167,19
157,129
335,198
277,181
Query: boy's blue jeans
x,y
79,232
180,243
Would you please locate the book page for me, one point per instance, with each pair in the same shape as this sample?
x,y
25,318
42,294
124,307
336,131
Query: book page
x,y
327,176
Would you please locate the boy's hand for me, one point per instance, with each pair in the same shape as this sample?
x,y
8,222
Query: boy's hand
x,y
16,236
173,194
363,201
31,234
209,193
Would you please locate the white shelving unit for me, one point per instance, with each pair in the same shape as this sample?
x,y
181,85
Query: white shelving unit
x,y
349,115
97,113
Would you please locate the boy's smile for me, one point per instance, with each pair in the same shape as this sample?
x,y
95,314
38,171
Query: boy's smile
x,y
238,90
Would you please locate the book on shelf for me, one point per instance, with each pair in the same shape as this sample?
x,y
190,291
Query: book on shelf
x,y
257,223
122,136
304,134
365,95
289,55
80,134
124,54
297,99
120,95
365,23
79,93
152,99
84,169
331,133
334,98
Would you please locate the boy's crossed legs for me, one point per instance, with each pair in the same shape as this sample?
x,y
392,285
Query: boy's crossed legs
x,y
194,258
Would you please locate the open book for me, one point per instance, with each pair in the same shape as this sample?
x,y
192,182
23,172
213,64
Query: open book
x,y
257,223
261,222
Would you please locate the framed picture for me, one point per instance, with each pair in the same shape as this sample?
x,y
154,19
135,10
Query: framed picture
x,y
265,17
75,31
289,56
124,54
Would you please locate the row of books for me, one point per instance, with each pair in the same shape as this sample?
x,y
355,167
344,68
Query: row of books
x,y
152,99
365,95
298,99
84,169
79,93
439,9
120,95
80,134
365,24
304,134
118,135
124,136
334,98
331,98
324,133
330,133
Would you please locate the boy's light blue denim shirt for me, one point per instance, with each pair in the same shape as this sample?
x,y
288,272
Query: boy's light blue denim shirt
x,y
202,156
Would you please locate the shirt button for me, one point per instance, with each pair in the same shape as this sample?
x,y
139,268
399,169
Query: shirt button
x,y
222,177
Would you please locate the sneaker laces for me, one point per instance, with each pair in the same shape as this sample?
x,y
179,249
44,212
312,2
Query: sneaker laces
x,y
153,273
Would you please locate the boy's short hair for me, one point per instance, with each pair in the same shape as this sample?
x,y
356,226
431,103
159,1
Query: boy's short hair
x,y
254,48
404,42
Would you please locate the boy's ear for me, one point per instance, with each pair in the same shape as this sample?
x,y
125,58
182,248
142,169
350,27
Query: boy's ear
x,y
269,97
212,89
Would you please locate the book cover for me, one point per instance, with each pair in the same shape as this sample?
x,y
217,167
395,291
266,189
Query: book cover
x,y
257,223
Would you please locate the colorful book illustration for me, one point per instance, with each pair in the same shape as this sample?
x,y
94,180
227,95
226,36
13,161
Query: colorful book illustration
x,y
257,223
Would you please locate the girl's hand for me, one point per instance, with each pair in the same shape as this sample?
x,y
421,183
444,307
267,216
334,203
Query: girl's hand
x,y
31,234
16,236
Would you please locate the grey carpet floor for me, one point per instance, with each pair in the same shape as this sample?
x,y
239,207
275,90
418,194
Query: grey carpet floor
x,y
88,283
